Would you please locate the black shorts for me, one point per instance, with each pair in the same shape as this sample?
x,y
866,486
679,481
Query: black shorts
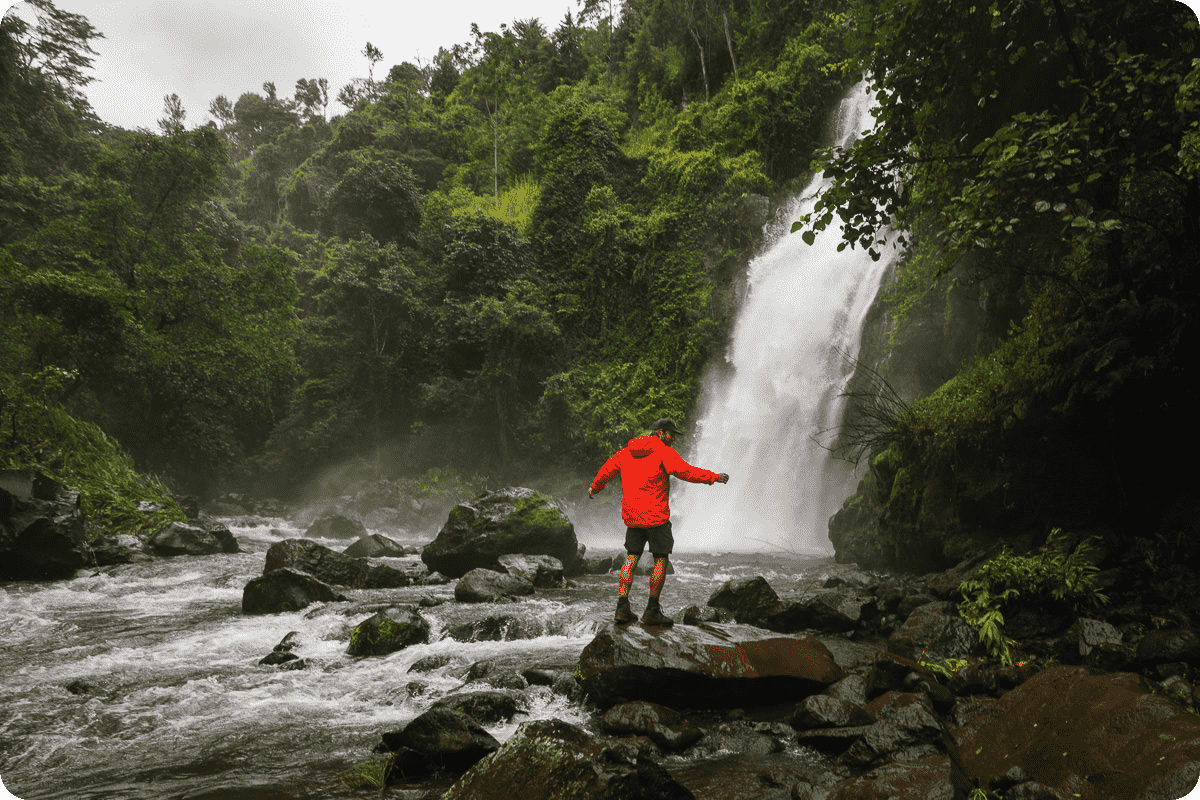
x,y
659,537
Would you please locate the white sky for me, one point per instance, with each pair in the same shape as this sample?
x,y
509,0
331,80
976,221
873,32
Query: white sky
x,y
199,49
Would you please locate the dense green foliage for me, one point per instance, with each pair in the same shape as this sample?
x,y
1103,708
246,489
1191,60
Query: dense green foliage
x,y
39,434
503,261
1036,159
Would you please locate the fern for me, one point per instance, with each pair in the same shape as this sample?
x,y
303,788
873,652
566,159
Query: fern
x,y
1051,572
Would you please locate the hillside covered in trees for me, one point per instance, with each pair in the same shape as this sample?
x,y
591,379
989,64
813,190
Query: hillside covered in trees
x,y
504,261
506,258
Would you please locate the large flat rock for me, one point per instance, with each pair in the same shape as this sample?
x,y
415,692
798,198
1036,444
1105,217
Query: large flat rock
x,y
704,666
1086,735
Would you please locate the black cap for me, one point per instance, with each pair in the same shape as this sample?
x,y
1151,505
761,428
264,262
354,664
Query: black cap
x,y
666,425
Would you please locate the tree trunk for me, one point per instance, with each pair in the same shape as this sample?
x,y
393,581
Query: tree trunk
x,y
729,44
502,428
703,66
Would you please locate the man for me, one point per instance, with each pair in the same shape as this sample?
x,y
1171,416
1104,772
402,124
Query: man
x,y
645,466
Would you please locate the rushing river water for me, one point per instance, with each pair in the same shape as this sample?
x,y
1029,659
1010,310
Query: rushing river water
x,y
172,702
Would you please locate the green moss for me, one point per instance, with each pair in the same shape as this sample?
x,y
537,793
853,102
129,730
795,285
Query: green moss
x,y
390,629
537,512
993,391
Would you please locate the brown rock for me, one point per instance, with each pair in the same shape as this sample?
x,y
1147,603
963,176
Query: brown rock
x,y
1086,735
703,666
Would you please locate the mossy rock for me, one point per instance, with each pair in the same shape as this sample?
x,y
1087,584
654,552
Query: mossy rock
x,y
509,521
388,631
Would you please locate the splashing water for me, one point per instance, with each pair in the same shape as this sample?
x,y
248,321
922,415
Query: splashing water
x,y
768,410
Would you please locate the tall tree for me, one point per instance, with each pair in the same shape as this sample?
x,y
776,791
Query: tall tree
x,y
174,113
58,48
311,98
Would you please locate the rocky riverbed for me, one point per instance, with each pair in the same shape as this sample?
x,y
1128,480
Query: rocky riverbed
x,y
784,677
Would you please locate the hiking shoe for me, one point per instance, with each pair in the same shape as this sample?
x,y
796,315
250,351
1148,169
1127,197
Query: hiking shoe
x,y
624,614
654,615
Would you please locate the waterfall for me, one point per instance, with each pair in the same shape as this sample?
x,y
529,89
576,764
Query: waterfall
x,y
766,411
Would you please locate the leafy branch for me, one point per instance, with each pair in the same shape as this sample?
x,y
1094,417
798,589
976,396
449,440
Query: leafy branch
x,y
1051,572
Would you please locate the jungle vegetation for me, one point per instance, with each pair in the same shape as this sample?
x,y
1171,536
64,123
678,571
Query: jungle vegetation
x,y
503,260
513,256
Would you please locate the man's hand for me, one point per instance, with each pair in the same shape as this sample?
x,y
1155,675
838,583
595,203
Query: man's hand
x,y
590,493
723,477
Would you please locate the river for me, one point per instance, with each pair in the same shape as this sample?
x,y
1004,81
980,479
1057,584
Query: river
x,y
172,702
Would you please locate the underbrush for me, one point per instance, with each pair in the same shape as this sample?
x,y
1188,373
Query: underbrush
x,y
39,434
1053,572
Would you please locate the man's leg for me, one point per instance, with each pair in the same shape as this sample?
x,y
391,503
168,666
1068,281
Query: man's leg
x,y
624,613
626,582
635,545
658,576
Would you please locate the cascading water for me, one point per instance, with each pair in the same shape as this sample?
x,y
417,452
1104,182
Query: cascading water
x,y
766,408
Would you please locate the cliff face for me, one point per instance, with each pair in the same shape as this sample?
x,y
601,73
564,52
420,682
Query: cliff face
x,y
1042,371
1081,423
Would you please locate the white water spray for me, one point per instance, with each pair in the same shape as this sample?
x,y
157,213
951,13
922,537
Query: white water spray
x,y
766,413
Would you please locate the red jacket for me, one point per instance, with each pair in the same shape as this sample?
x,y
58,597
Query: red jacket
x,y
644,465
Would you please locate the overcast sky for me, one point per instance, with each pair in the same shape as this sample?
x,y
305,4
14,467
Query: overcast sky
x,y
199,49
202,48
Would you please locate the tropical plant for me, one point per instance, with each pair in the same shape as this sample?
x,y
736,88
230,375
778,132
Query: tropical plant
x,y
1053,572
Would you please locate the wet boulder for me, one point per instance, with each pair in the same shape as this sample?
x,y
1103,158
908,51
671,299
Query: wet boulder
x,y
752,601
544,572
703,666
41,528
852,689
285,589
497,628
663,726
837,611
1091,633
120,549
549,759
282,653
222,534
937,630
905,732
827,711
513,520
930,778
181,539
1085,735
496,674
387,631
1169,646
441,739
485,706
336,568
599,565
488,586
335,526
748,599
377,546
